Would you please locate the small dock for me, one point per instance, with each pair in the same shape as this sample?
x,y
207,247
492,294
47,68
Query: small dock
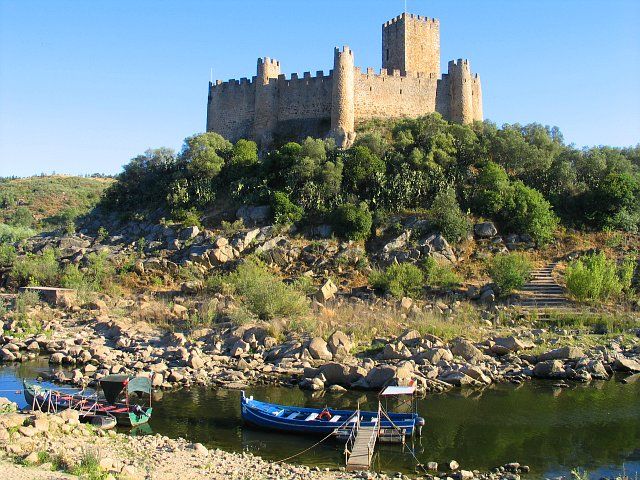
x,y
362,450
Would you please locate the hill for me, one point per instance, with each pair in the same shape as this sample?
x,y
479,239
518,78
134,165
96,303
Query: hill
x,y
48,201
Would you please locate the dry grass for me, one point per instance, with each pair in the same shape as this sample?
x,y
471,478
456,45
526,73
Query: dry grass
x,y
366,323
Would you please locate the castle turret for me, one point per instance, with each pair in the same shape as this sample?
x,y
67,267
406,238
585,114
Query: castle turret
x,y
265,119
476,90
411,43
461,91
342,98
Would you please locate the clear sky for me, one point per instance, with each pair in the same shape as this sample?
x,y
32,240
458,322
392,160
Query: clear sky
x,y
86,85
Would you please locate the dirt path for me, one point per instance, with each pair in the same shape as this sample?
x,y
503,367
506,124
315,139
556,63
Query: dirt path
x,y
11,471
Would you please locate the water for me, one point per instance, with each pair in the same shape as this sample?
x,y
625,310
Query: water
x,y
594,427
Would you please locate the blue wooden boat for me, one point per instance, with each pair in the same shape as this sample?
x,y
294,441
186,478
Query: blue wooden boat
x,y
318,421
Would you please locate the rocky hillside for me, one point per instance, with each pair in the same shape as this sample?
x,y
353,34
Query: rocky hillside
x,y
49,200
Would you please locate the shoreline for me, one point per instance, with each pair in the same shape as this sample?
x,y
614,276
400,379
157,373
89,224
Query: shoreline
x,y
228,356
45,443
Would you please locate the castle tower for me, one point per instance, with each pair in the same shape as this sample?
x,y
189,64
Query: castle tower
x,y
461,85
265,118
411,43
476,91
342,98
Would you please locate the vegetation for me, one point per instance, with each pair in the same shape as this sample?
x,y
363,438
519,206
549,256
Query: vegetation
x,y
595,277
47,201
509,271
263,294
400,280
440,276
524,178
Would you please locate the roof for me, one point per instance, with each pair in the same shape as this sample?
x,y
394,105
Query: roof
x,y
389,391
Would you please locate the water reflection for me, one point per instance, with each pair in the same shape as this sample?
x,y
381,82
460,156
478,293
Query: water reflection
x,y
595,427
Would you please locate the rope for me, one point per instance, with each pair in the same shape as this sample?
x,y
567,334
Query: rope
x,y
401,433
315,444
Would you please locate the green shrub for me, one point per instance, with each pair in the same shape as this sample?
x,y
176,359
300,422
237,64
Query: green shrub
x,y
529,212
34,269
284,210
509,271
22,217
187,217
447,218
97,276
12,234
400,280
440,276
594,277
7,255
352,222
264,294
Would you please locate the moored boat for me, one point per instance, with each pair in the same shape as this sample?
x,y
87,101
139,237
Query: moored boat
x,y
111,407
325,421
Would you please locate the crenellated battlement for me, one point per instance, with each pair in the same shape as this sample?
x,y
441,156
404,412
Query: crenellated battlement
x,y
268,61
411,17
410,83
344,51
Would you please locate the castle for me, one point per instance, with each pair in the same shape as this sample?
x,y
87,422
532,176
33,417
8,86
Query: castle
x,y
409,84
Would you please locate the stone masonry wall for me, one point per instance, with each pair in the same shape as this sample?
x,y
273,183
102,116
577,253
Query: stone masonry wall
x,y
230,109
392,96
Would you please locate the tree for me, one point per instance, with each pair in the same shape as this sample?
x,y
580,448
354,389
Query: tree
x,y
447,218
360,170
205,154
352,222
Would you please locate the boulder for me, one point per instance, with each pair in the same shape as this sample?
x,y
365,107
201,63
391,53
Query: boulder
x,y
435,355
336,373
189,233
467,350
56,358
623,364
395,351
457,378
512,344
195,362
339,344
562,353
485,230
476,373
549,369
597,370
318,349
326,292
380,375
254,215
239,348
398,242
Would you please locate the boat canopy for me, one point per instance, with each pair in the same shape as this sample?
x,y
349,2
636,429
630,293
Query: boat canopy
x,y
113,385
392,391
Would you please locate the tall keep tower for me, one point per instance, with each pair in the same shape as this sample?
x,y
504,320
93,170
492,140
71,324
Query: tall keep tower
x,y
411,43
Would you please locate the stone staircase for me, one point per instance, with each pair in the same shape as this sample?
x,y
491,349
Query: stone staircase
x,y
543,292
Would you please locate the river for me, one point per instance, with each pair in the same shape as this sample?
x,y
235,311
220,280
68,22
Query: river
x,y
594,427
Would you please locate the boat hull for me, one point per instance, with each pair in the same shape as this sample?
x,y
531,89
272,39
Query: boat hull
x,y
267,416
126,418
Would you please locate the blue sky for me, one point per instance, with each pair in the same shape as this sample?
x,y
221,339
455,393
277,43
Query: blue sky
x,y
86,85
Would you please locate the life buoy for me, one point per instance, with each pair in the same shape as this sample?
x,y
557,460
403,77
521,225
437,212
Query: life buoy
x,y
324,415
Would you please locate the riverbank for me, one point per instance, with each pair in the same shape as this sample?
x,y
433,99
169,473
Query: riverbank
x,y
32,445
92,341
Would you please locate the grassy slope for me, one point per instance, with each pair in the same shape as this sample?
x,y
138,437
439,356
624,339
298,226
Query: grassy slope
x,y
48,196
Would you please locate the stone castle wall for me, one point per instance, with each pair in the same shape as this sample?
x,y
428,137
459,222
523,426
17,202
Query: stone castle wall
x,y
271,106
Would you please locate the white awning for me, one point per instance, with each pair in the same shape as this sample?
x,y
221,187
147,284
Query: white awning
x,y
410,390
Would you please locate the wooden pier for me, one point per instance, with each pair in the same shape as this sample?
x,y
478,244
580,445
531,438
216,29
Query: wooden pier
x,y
362,450
361,443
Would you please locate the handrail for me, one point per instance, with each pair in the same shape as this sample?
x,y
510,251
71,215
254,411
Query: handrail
x,y
371,444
